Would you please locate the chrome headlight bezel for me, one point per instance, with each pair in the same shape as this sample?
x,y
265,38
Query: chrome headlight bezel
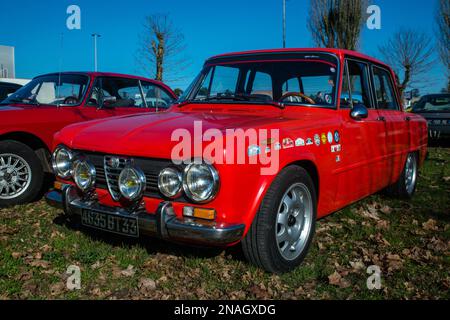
x,y
77,165
140,180
162,185
214,176
64,174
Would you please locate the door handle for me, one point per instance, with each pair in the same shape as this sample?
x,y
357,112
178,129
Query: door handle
x,y
381,118
408,118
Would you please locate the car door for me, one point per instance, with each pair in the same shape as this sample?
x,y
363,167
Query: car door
x,y
114,96
395,120
155,97
360,163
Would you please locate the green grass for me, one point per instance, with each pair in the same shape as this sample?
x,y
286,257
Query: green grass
x,y
409,241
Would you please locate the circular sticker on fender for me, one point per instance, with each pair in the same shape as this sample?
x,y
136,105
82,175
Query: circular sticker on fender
x,y
337,137
330,137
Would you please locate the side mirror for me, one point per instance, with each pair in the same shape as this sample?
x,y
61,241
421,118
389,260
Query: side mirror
x,y
359,112
108,101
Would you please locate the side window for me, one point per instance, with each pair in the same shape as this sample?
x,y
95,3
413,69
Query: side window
x,y
116,93
262,85
292,85
155,97
384,89
355,85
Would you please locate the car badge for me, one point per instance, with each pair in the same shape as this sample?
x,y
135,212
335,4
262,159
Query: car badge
x,y
113,162
309,142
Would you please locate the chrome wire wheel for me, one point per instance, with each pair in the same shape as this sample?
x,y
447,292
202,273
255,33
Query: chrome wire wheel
x,y
15,176
294,221
410,173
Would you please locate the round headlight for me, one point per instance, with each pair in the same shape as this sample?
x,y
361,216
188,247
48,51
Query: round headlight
x,y
132,183
62,162
200,182
84,174
170,182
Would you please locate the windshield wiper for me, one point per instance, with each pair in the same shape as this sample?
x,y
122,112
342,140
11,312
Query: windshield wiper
x,y
235,98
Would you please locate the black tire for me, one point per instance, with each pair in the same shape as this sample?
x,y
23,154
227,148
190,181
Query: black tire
x,y
37,174
400,189
260,244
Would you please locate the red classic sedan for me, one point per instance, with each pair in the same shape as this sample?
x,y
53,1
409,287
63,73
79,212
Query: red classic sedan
x,y
30,117
261,145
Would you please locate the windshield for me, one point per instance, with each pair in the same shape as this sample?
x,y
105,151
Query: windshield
x,y
64,89
305,79
433,104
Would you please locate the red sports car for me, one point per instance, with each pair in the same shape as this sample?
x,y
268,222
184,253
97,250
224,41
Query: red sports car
x,y
260,146
32,115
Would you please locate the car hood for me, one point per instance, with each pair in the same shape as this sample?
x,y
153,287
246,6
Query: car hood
x,y
155,135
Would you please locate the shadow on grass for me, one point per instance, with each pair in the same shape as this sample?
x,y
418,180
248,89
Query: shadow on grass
x,y
152,245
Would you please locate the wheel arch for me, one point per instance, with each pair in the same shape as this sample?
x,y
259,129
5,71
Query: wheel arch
x,y
38,145
312,170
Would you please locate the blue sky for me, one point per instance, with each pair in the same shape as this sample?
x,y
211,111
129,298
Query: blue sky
x,y
210,27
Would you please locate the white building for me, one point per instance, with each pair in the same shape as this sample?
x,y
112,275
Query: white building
x,y
7,67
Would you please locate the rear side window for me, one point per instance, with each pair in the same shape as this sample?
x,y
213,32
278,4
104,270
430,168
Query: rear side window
x,y
384,89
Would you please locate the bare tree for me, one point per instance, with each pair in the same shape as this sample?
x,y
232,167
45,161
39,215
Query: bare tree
x,y
337,23
443,35
410,53
161,50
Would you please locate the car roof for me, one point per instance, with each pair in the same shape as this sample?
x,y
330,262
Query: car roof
x,y
338,52
111,74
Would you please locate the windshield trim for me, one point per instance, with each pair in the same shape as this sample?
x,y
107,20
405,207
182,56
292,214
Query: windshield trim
x,y
214,62
82,101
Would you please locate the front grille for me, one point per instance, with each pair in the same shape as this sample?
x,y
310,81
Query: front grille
x,y
113,167
107,176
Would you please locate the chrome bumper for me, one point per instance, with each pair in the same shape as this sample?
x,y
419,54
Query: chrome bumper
x,y
163,224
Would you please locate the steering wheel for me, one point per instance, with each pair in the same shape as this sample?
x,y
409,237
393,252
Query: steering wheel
x,y
297,94
70,100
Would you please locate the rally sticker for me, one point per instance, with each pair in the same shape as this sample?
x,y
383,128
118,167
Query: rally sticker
x,y
288,143
337,138
330,137
317,139
253,150
323,137
336,148
277,146
309,142
299,142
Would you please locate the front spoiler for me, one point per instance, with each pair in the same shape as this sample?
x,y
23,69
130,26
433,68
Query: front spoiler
x,y
163,224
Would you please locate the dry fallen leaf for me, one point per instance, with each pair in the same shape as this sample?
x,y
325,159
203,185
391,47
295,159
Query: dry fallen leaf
x,y
337,280
147,284
386,209
128,272
430,225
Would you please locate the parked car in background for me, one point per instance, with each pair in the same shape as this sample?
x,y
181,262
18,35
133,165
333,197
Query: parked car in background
x,y
331,120
30,117
435,108
9,86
